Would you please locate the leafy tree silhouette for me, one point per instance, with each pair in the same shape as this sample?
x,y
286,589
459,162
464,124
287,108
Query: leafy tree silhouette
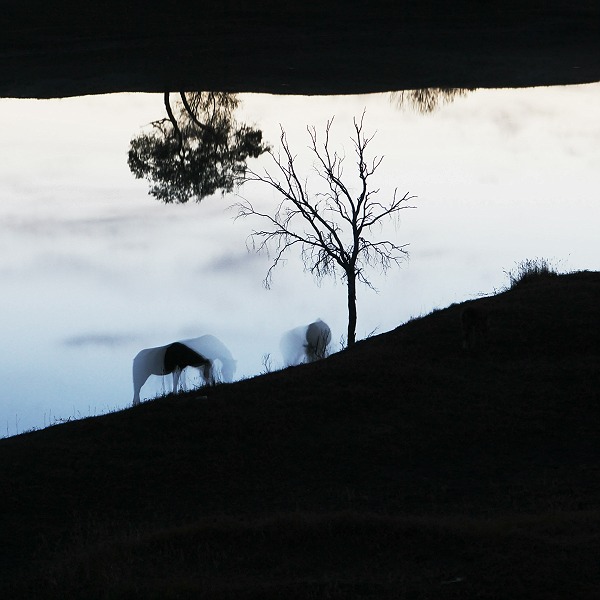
x,y
197,150
331,228
427,100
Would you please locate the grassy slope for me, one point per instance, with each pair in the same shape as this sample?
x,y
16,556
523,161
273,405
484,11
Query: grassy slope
x,y
338,46
386,471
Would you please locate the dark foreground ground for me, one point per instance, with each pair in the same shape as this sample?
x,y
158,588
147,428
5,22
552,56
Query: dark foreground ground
x,y
403,468
341,46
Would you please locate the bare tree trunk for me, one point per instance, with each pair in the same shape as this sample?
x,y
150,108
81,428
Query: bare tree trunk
x,y
351,280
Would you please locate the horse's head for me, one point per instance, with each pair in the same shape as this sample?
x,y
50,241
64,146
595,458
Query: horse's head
x,y
228,369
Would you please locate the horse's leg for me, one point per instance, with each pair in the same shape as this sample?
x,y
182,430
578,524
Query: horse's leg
x,y
138,383
141,372
176,374
207,373
182,380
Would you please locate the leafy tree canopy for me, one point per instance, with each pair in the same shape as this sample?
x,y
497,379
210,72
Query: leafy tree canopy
x,y
197,150
428,100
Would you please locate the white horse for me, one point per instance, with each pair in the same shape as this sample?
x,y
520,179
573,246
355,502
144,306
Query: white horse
x,y
306,343
200,353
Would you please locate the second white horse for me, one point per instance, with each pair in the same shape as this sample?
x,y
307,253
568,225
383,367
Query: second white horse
x,y
306,343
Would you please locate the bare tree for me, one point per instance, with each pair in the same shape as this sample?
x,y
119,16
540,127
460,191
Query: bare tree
x,y
331,228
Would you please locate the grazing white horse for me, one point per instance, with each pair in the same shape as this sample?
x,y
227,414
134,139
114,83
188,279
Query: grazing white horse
x,y
200,353
306,343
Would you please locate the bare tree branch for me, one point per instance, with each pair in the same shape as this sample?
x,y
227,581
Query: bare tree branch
x,y
173,121
192,114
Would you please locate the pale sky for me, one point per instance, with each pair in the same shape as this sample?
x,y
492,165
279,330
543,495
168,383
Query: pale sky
x,y
93,269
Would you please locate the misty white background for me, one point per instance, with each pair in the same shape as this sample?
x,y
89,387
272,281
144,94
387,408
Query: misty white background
x,y
93,269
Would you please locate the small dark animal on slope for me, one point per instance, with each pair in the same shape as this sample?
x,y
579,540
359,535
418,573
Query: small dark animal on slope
x,y
475,326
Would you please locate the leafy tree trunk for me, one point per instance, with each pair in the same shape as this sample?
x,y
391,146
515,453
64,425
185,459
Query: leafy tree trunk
x,y
351,280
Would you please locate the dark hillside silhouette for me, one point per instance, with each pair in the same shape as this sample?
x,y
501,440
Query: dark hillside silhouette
x,y
403,467
307,47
